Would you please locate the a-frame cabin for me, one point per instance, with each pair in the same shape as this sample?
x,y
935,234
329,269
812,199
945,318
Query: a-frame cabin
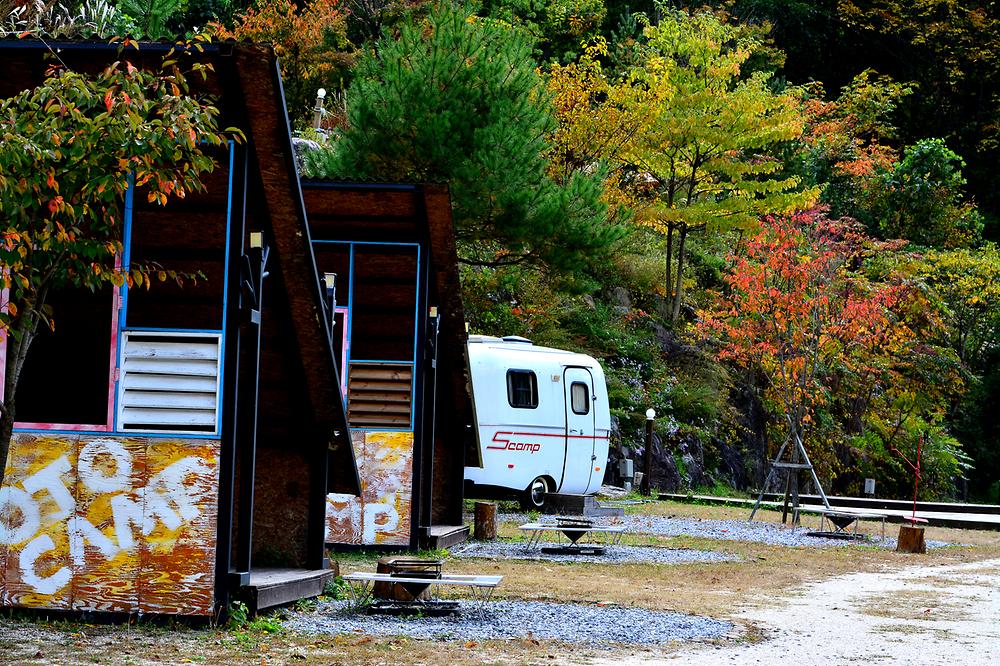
x,y
388,253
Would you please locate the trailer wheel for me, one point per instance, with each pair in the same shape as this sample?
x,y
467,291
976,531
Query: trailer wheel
x,y
533,497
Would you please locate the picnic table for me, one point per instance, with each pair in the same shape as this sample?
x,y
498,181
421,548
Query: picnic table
x,y
574,530
840,521
362,586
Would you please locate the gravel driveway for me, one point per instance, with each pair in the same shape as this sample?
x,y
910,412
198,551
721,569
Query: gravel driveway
x,y
929,615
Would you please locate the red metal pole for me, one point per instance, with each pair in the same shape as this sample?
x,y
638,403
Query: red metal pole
x,y
916,483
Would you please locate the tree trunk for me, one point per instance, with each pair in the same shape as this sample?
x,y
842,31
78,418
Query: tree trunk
x,y
6,431
670,259
18,343
911,539
485,521
675,315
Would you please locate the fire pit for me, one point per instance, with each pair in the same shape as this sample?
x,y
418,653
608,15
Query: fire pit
x,y
573,529
403,587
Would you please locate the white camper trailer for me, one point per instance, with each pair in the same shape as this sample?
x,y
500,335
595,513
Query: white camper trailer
x,y
543,420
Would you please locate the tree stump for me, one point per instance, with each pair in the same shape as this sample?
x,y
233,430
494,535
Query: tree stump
x,y
486,521
911,539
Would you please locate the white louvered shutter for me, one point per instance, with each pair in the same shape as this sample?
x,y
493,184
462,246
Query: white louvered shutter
x,y
169,383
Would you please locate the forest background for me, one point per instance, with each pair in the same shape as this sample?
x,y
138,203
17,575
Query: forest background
x,y
766,218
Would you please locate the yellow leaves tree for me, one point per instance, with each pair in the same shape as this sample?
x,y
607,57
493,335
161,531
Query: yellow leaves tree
x,y
690,139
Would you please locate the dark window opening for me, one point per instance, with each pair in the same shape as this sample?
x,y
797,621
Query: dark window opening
x,y
522,389
579,398
67,374
383,303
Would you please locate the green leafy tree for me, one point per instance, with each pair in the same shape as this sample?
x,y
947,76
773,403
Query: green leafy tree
x,y
843,149
151,16
920,199
559,26
951,50
459,99
69,150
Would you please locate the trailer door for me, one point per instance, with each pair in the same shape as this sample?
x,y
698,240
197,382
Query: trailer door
x,y
578,388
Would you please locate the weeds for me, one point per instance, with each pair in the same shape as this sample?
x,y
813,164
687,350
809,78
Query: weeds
x,y
337,589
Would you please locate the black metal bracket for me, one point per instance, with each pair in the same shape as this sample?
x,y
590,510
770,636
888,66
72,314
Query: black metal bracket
x,y
253,271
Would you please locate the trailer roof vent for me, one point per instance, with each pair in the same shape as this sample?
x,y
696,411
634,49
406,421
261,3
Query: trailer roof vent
x,y
516,338
169,382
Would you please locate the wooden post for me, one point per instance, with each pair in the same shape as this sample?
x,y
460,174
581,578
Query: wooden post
x,y
486,521
911,539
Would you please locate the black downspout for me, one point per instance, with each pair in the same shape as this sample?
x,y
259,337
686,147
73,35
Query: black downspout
x,y
431,430
251,312
423,468
230,403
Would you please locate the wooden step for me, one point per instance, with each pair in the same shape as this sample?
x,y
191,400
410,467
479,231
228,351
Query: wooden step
x,y
784,465
273,587
445,536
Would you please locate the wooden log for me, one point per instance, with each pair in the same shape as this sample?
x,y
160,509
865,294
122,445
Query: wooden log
x,y
486,521
911,539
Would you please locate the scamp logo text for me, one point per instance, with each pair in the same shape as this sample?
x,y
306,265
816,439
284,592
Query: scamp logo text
x,y
502,442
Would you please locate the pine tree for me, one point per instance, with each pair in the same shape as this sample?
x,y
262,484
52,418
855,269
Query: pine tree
x,y
458,98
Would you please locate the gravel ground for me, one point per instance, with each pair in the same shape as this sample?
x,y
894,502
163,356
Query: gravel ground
x,y
618,554
730,530
572,623
929,615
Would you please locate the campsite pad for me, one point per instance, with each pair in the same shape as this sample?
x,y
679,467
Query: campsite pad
x,y
619,554
573,623
727,530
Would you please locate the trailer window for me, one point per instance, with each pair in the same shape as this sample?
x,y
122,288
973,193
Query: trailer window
x,y
522,389
579,398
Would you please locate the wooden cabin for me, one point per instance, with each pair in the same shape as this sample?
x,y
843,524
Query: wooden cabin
x,y
143,477
387,254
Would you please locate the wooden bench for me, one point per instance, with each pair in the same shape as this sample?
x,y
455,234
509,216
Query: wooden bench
x,y
482,588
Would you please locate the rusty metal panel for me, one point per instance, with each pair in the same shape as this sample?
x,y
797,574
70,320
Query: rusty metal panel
x,y
381,516
94,522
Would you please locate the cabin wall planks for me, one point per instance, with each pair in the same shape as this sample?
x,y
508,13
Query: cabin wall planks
x,y
120,524
381,516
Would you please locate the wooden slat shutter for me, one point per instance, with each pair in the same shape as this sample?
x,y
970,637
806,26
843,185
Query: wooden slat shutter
x,y
169,383
380,395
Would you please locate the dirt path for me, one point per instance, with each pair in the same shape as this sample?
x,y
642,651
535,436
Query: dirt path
x,y
928,615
